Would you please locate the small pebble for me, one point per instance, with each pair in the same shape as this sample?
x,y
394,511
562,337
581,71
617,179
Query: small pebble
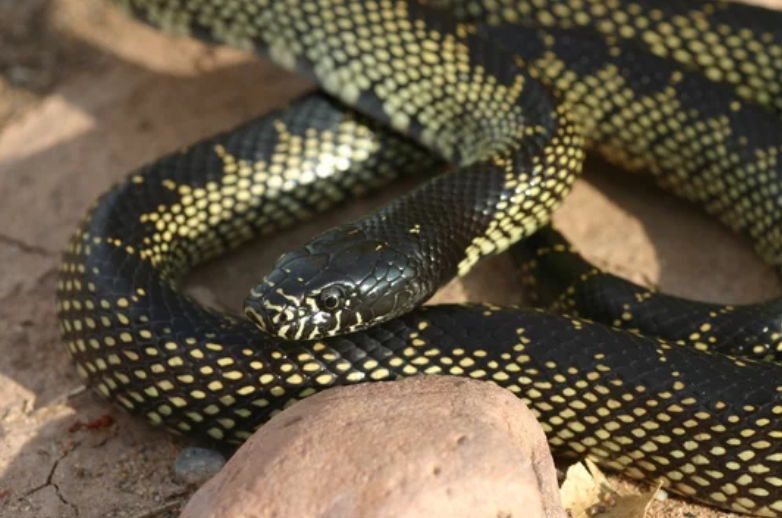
x,y
20,76
197,465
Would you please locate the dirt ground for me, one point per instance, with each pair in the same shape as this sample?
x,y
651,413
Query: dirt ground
x,y
86,96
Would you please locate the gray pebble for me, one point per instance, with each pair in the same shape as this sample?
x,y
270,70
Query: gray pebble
x,y
197,465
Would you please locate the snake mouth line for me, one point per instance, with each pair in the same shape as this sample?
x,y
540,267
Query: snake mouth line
x,y
259,318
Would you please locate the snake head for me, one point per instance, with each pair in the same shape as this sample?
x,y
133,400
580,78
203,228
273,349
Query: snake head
x,y
340,282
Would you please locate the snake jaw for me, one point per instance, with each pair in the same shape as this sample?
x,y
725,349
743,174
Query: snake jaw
x,y
291,311
280,311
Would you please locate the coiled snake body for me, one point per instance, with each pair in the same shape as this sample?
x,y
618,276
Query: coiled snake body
x,y
686,91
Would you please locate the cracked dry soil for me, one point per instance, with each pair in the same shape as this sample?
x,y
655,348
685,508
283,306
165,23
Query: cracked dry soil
x,y
112,95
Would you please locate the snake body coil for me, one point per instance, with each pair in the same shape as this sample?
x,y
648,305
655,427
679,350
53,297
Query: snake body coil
x,y
707,424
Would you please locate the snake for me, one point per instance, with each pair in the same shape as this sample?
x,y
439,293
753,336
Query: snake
x,y
495,103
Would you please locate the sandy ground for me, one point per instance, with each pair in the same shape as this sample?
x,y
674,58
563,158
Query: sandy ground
x,y
86,96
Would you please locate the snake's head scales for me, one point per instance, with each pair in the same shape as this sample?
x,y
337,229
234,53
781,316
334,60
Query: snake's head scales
x,y
340,282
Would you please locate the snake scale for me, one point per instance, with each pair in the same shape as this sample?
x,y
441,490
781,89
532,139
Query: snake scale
x,y
496,93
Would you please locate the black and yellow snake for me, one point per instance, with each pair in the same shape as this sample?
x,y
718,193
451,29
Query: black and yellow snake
x,y
686,90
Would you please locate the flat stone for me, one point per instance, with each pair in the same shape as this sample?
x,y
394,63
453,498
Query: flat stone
x,y
427,446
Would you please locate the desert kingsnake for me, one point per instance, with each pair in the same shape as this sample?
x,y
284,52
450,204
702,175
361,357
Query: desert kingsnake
x,y
705,423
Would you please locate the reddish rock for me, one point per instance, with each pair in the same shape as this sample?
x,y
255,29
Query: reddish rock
x,y
429,447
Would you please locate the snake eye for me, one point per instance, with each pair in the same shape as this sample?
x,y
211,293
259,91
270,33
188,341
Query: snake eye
x,y
331,298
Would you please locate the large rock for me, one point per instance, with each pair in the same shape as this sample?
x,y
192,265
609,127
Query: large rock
x,y
425,447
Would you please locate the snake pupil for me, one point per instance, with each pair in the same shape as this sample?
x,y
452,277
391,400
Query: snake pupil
x,y
331,298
